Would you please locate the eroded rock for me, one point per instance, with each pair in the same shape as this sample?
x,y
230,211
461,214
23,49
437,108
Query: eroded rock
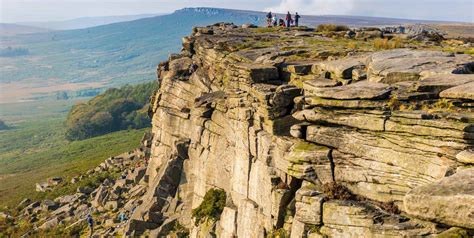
x,y
359,90
410,65
449,201
464,91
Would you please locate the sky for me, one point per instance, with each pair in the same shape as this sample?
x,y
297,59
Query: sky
x,y
52,10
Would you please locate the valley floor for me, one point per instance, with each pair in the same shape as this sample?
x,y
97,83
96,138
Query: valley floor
x,y
36,150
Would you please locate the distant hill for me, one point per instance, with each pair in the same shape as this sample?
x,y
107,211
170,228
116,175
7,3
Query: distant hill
x,y
359,21
85,22
128,52
7,29
116,54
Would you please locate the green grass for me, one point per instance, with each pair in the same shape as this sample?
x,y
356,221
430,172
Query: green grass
x,y
14,113
37,150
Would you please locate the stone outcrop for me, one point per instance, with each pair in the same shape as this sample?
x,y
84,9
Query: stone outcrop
x,y
448,201
304,144
408,65
274,133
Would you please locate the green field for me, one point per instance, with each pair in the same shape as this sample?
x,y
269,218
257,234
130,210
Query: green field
x,y
37,149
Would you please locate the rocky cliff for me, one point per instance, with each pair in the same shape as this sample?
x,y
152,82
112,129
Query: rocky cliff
x,y
291,133
310,137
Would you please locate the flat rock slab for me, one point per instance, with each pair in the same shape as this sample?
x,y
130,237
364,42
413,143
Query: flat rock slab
x,y
439,83
311,85
360,90
349,219
400,65
449,201
466,156
465,91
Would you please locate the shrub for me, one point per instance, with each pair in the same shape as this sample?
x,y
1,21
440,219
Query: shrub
x,y
443,104
337,191
386,44
278,233
390,207
211,207
331,28
180,231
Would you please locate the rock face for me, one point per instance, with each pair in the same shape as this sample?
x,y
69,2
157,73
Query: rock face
x,y
377,144
449,201
274,134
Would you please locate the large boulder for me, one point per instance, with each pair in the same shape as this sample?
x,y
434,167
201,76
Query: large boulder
x,y
51,223
466,156
357,219
309,205
101,197
48,205
464,91
449,201
179,68
439,83
399,65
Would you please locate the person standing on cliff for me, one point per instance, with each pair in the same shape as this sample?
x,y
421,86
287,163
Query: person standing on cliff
x,y
297,18
269,19
288,19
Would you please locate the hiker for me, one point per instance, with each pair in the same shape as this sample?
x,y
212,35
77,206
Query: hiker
x,y
289,20
193,68
269,19
275,20
281,23
90,221
122,217
297,18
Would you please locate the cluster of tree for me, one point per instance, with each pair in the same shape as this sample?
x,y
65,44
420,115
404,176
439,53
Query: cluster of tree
x,y
13,52
113,110
65,95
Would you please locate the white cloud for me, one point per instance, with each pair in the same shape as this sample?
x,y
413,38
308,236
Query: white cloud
x,y
314,7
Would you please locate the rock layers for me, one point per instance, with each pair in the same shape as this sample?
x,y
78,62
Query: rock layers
x,y
393,128
303,141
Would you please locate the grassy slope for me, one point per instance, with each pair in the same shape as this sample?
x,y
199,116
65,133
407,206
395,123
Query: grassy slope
x,y
36,150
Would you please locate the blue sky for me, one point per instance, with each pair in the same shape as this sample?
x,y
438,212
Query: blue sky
x,y
47,10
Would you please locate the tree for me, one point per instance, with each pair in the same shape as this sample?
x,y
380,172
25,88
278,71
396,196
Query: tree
x,y
113,110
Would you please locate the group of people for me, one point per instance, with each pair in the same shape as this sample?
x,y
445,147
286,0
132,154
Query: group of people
x,y
90,221
273,20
